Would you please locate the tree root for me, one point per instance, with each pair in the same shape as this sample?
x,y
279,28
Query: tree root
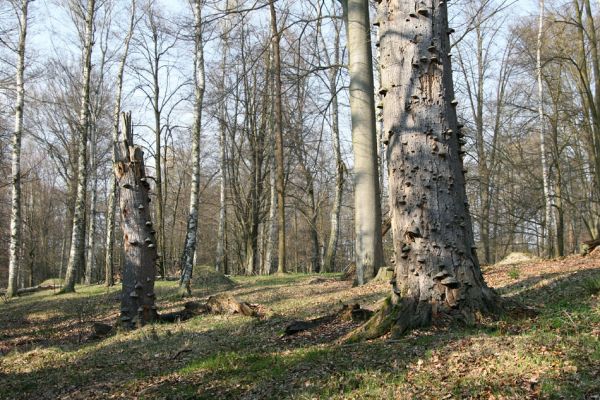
x,y
398,318
346,313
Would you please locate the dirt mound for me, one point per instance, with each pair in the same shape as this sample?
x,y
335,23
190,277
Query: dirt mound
x,y
517,258
206,278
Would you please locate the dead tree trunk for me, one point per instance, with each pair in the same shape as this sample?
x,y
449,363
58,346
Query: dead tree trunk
x,y
437,272
139,269
110,216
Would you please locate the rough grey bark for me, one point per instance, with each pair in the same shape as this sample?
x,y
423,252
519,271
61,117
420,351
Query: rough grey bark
x,y
278,130
77,253
139,270
189,248
15,218
110,215
437,272
545,173
367,206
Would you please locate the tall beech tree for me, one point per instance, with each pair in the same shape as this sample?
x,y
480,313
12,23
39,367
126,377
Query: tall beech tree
x,y
367,203
437,272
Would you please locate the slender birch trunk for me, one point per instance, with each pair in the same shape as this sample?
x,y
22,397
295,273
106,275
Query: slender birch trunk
x,y
110,216
77,253
187,258
367,205
545,174
278,130
15,218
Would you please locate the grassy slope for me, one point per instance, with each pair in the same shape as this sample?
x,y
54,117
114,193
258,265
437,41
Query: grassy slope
x,y
44,352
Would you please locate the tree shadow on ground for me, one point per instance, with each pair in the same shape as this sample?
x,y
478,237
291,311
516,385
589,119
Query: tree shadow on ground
x,y
238,357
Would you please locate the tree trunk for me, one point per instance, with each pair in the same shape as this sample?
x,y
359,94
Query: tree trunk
x,y
137,298
329,262
278,131
15,218
187,258
110,216
437,272
545,173
90,261
367,205
77,253
220,252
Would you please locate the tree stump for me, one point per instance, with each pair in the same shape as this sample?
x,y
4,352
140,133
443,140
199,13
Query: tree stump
x,y
139,270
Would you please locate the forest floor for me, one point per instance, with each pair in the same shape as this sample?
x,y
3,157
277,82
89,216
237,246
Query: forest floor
x,y
46,353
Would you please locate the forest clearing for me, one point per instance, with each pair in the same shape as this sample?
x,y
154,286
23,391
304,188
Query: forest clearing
x,y
46,352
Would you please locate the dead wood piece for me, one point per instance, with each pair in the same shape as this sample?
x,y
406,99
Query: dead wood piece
x,y
190,310
346,313
316,281
100,331
32,289
227,304
590,245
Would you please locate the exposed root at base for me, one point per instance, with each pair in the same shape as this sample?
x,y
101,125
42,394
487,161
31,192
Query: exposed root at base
x,y
408,314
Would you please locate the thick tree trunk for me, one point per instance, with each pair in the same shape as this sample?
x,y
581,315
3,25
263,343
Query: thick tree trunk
x,y
110,216
15,218
187,258
77,253
139,271
367,205
278,131
437,272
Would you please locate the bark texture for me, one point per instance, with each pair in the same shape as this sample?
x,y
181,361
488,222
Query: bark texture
x,y
110,216
77,254
278,132
367,206
545,173
139,270
15,218
189,248
437,272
